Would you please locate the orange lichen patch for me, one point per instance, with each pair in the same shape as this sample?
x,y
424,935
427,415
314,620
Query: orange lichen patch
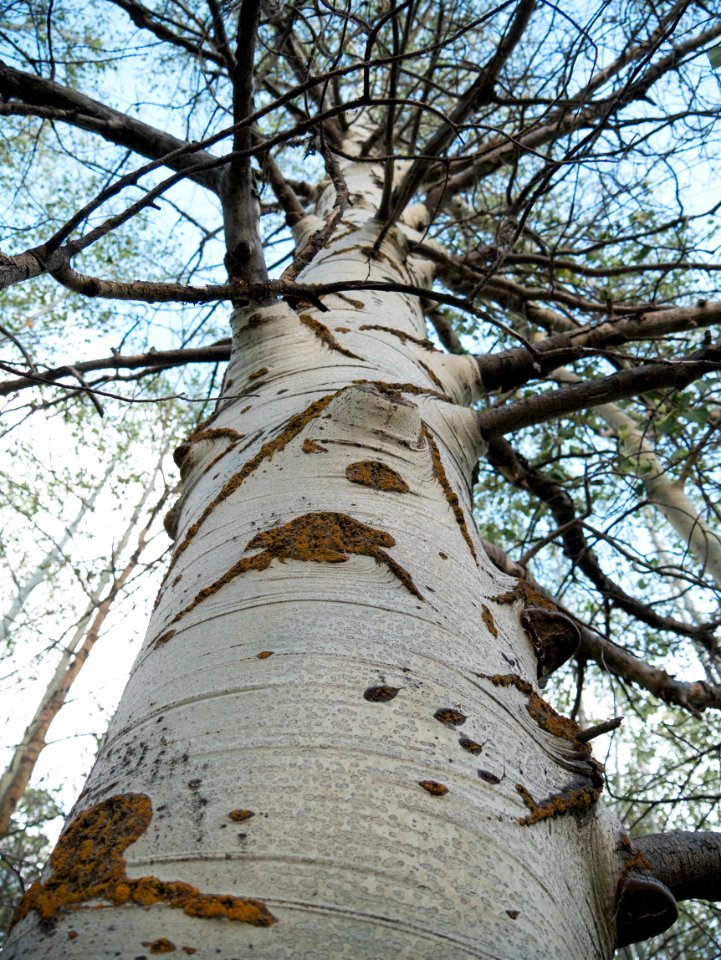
x,y
412,388
316,537
508,680
161,945
88,864
264,654
451,497
310,446
215,433
358,304
487,618
450,717
530,596
402,336
237,816
380,694
470,745
489,777
431,375
549,719
542,712
433,787
329,538
373,473
256,374
163,639
633,859
223,453
324,334
266,452
573,800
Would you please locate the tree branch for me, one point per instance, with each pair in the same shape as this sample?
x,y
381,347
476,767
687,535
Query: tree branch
x,y
618,386
116,127
688,863
516,469
159,359
695,696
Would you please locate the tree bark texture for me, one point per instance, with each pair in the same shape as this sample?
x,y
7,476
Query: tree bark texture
x,y
331,744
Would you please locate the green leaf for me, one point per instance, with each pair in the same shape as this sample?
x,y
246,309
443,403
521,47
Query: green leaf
x,y
714,56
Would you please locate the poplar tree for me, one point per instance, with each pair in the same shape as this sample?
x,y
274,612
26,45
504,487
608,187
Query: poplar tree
x,y
335,739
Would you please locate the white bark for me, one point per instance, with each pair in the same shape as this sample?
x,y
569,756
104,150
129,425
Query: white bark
x,y
252,699
40,573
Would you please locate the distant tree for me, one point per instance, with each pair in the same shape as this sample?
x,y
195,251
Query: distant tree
x,y
333,741
23,850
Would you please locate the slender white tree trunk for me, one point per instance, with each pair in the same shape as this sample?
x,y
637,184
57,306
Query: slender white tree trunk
x,y
667,497
17,774
51,558
332,731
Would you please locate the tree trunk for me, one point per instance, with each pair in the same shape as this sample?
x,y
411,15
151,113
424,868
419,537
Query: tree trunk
x,y
16,776
331,743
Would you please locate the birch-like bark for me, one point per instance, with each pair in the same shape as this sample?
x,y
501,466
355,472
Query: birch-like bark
x,y
332,731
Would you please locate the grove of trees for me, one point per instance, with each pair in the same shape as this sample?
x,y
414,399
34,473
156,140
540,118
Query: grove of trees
x,y
422,301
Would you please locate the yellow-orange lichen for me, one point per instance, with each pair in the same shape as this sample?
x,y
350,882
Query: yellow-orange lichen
x,y
316,537
633,859
161,945
575,800
412,388
470,745
433,787
215,433
487,618
310,446
381,694
266,452
325,336
431,375
402,335
264,654
448,492
291,430
237,816
163,638
522,590
88,864
373,473
256,374
542,712
450,717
